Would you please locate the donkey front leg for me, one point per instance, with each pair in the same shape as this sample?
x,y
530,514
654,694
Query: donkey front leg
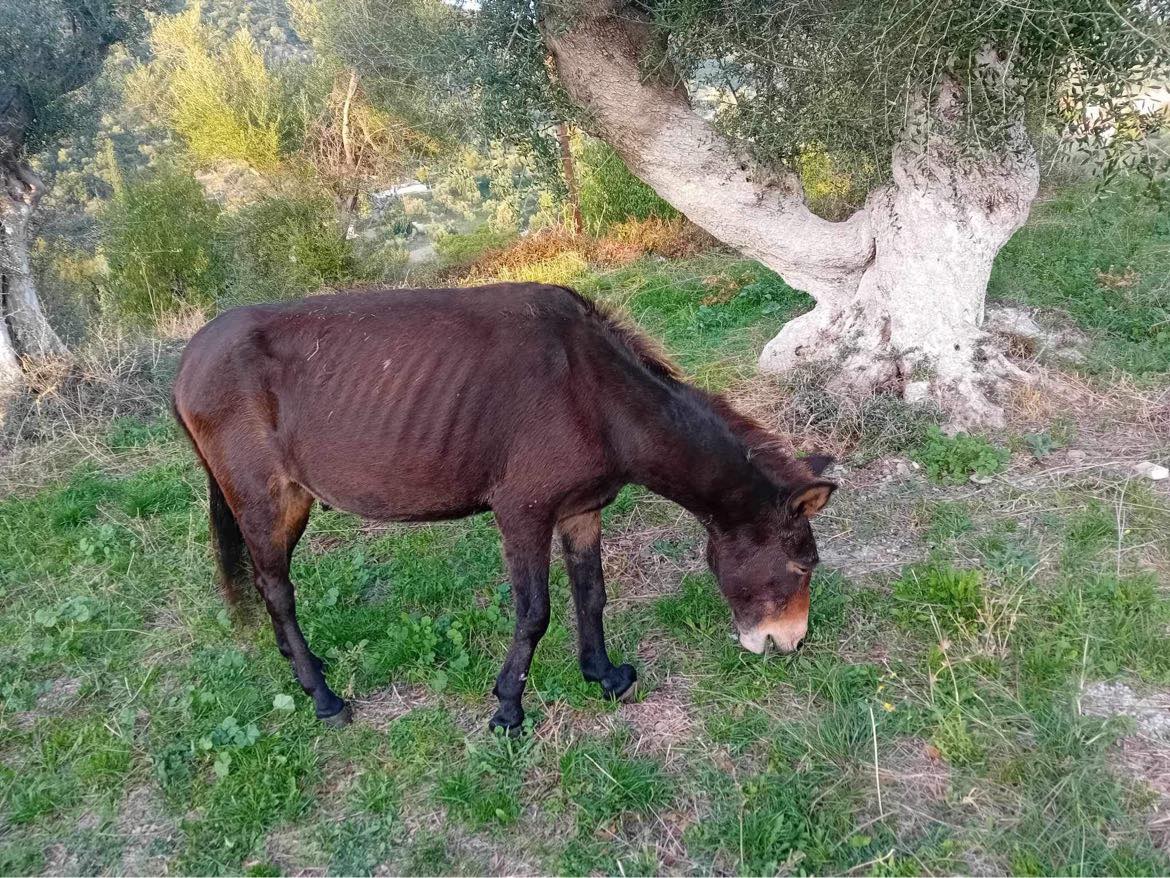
x,y
581,541
526,550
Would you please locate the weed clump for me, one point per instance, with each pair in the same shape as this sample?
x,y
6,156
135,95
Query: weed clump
x,y
938,591
864,429
952,460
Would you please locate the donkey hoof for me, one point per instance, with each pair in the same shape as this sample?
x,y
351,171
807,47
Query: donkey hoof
x,y
511,727
342,717
620,684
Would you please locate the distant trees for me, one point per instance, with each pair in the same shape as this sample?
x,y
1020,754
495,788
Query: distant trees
x,y
227,103
48,51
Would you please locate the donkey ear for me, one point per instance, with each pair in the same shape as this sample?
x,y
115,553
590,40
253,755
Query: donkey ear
x,y
811,499
818,463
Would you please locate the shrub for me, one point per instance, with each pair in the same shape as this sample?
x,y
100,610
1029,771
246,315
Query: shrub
x,y
518,252
222,100
462,250
160,237
954,459
559,270
66,278
286,246
610,194
671,238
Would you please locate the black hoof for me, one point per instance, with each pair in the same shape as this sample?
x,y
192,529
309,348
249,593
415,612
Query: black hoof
x,y
620,684
511,727
343,716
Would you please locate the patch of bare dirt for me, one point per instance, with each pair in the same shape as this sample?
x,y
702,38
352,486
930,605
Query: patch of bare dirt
x,y
1148,761
57,699
149,831
649,556
663,721
381,708
493,857
60,696
1144,756
1118,424
916,772
60,860
854,541
290,851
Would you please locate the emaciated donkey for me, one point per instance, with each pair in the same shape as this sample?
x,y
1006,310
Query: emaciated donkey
x,y
523,399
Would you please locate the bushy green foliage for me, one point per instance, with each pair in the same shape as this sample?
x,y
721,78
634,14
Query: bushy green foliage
x,y
49,52
287,245
462,249
610,194
66,276
222,100
160,237
954,459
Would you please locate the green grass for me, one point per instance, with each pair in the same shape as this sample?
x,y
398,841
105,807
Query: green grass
x,y
122,679
1103,262
714,313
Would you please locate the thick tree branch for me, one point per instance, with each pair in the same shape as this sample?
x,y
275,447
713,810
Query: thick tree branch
x,y
650,123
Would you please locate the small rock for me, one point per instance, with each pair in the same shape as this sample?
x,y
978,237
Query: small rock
x,y
980,480
916,391
1151,471
1014,321
1077,455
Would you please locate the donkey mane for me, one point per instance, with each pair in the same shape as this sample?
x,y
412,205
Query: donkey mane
x,y
763,446
647,351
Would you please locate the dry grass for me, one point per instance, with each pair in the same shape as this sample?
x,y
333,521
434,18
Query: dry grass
x,y
557,255
1147,761
58,418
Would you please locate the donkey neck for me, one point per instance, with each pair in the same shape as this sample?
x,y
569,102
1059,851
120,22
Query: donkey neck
x,y
676,444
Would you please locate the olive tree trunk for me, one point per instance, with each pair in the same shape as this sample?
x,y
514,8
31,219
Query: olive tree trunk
x,y
26,330
10,374
899,285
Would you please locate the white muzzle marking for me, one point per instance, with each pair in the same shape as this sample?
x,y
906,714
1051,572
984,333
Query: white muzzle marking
x,y
786,635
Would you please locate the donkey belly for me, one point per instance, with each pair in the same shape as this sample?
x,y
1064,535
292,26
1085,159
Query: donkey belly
x,y
388,482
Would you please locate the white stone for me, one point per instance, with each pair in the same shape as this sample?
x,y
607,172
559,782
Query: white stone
x,y
1013,321
1151,471
916,391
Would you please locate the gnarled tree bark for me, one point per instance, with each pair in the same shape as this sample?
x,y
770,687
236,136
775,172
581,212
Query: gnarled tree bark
x,y
899,285
20,307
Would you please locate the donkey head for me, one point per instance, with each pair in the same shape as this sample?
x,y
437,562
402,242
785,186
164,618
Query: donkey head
x,y
764,566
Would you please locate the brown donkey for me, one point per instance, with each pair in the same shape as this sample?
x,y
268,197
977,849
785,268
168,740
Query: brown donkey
x,y
528,400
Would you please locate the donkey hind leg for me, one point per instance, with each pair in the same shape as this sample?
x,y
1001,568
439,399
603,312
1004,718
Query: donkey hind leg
x,y
581,541
272,528
526,550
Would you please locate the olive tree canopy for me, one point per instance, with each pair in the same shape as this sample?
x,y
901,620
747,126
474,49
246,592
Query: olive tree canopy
x,y
924,116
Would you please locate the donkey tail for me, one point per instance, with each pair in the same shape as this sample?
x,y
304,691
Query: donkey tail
x,y
232,560
231,553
